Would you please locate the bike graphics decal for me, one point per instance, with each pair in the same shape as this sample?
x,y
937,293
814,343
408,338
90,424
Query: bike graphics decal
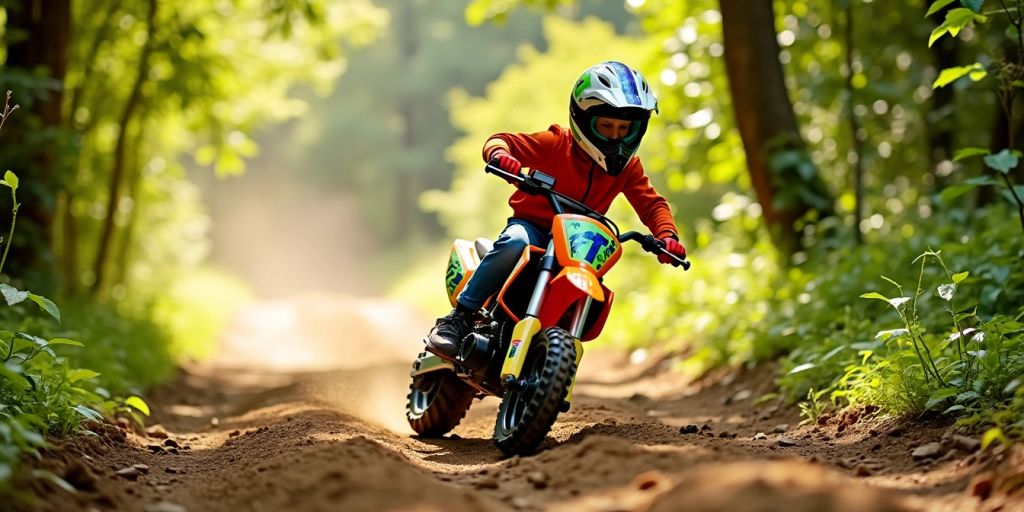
x,y
515,346
455,273
589,244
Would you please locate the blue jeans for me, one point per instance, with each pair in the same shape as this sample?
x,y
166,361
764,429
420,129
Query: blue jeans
x,y
497,264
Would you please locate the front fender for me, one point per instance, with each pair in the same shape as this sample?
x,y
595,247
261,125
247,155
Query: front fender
x,y
566,289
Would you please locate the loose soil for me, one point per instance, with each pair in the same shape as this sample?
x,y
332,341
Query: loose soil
x,y
246,433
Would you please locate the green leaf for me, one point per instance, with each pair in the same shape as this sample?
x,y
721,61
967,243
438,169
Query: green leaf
x,y
950,75
138,403
88,413
937,6
54,479
13,374
874,295
956,20
974,5
1003,161
11,180
991,435
959,278
801,368
12,295
66,341
81,374
46,304
939,396
963,153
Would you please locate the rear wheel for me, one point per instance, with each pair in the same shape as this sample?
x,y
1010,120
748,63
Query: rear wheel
x,y
526,414
437,403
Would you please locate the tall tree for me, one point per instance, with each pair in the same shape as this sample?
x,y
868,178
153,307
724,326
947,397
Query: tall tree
x,y
120,150
787,184
37,44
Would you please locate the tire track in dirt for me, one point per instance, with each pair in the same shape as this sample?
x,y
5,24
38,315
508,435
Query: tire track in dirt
x,y
259,437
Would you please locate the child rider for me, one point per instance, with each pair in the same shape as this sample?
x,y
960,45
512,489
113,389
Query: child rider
x,y
592,162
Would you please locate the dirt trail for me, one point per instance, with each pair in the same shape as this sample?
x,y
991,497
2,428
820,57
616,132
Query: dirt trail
x,y
269,433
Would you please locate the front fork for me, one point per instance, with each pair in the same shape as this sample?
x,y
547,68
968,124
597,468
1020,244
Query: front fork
x,y
529,326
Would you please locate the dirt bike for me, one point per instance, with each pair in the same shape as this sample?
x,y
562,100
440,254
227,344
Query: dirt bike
x,y
526,341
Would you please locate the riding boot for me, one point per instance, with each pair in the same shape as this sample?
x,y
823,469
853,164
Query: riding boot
x,y
443,340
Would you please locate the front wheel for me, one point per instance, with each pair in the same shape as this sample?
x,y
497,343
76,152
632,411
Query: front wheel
x,y
526,414
438,404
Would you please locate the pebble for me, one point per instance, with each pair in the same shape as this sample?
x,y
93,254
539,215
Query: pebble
x,y
689,429
786,442
234,433
171,443
156,432
780,428
967,444
141,468
926,451
215,421
130,473
863,471
173,470
760,436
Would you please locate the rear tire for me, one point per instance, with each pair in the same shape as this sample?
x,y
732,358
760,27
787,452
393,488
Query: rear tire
x,y
436,411
525,416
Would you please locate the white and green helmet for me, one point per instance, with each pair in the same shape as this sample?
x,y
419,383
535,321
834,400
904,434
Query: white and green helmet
x,y
610,89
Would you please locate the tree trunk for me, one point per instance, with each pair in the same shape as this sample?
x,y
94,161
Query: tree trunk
x,y
767,123
117,173
941,116
855,138
46,32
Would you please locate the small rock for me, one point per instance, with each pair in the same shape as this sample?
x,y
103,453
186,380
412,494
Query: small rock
x,y
538,479
638,397
689,429
926,451
760,436
741,395
786,442
454,436
171,443
172,450
781,428
156,432
520,502
214,421
142,468
164,506
155,448
967,444
173,471
705,427
726,435
130,473
863,471
234,433
982,486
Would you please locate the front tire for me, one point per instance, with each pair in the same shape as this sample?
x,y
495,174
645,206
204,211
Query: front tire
x,y
525,415
438,404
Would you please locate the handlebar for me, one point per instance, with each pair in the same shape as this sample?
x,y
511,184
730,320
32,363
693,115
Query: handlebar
x,y
539,183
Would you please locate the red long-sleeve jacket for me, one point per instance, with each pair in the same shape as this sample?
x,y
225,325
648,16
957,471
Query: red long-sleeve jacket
x,y
554,152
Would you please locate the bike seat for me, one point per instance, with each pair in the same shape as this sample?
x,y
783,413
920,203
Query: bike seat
x,y
483,246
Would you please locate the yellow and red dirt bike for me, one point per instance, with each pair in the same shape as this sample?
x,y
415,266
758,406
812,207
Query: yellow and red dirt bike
x,y
526,341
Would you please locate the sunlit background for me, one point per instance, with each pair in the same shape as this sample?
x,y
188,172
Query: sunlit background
x,y
278,183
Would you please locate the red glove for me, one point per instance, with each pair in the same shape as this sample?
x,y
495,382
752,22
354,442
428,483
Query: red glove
x,y
506,162
673,246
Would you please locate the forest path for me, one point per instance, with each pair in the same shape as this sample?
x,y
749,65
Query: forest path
x,y
322,427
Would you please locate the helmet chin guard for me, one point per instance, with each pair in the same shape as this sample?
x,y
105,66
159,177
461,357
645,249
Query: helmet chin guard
x,y
610,89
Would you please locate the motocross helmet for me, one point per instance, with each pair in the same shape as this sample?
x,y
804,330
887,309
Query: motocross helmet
x,y
610,89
